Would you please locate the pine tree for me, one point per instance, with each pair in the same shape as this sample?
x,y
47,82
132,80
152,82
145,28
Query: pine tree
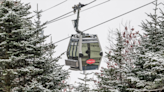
x,y
149,71
52,77
120,62
25,63
112,78
83,87
107,79
15,33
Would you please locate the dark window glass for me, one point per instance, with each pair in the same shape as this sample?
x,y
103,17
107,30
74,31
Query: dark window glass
x,y
91,51
72,52
95,52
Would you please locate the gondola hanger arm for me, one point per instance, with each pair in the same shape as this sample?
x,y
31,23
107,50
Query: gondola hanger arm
x,y
78,8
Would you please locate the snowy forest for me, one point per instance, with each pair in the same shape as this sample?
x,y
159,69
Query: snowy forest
x,y
135,61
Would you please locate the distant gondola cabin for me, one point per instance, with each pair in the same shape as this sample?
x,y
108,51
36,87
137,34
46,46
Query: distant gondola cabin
x,y
79,52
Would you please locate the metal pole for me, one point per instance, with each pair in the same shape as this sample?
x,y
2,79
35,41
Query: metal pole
x,y
78,7
77,30
80,51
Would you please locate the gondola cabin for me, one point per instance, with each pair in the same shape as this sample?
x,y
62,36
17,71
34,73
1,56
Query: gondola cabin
x,y
84,52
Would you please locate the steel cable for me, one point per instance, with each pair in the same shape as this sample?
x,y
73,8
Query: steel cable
x,y
107,20
57,19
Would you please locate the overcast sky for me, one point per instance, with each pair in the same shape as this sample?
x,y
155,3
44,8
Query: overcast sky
x,y
89,18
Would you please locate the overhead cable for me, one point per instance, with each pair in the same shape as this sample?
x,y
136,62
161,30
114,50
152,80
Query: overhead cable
x,y
52,7
51,21
58,18
64,14
118,16
108,20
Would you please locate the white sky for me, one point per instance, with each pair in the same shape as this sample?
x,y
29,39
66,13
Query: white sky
x,y
89,18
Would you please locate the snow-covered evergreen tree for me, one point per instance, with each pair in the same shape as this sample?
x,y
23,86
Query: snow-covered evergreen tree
x,y
83,87
149,71
111,78
25,63
120,62
53,77
107,79
15,33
